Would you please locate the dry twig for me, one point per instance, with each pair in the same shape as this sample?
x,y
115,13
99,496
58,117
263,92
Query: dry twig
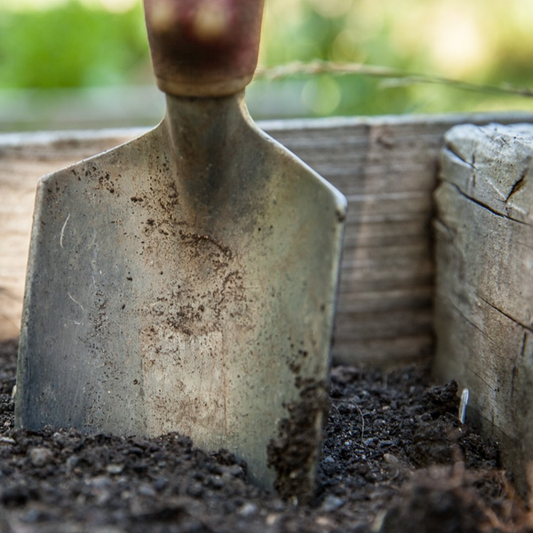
x,y
394,77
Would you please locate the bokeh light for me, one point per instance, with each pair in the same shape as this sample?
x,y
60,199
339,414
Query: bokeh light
x,y
82,45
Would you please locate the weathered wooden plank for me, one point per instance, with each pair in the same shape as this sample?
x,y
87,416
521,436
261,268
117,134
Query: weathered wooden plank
x,y
355,258
363,281
484,296
62,146
368,325
383,233
380,352
387,207
385,165
384,269
386,300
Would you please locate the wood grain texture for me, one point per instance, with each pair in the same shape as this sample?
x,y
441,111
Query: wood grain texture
x,y
484,289
387,168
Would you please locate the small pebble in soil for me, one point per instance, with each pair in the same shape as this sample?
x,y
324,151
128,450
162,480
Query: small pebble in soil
x,y
114,469
247,509
40,456
331,503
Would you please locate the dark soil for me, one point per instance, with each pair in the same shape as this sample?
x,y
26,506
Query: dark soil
x,y
395,459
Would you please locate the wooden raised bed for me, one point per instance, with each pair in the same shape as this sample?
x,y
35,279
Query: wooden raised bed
x,y
388,169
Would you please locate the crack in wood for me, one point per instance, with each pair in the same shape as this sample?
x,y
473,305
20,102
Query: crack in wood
x,y
523,348
517,322
520,357
450,152
483,205
484,380
500,138
518,185
459,310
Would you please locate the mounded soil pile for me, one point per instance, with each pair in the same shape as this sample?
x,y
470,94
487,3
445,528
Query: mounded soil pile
x,y
395,459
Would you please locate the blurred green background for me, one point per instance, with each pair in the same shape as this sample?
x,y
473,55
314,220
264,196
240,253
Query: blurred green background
x,y
85,63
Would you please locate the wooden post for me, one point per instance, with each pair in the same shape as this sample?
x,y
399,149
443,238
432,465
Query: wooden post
x,y
484,286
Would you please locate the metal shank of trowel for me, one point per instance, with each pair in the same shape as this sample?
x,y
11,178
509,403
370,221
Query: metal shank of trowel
x,y
203,48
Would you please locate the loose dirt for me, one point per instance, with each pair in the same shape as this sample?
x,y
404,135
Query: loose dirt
x,y
395,459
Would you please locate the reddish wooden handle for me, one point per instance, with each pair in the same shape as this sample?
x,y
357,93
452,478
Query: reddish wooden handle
x,y
203,48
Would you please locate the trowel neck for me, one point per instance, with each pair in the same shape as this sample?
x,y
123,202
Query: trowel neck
x,y
200,129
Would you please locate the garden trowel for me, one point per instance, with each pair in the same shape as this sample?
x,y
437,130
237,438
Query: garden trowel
x,y
185,281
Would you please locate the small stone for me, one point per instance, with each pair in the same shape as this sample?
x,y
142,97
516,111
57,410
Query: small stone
x,y
331,503
392,465
146,490
114,469
160,483
195,490
247,509
40,456
216,482
134,450
391,459
72,462
7,440
101,489
324,521
100,482
271,519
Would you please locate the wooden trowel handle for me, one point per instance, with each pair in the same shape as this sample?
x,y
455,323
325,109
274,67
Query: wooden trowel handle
x,y
203,48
